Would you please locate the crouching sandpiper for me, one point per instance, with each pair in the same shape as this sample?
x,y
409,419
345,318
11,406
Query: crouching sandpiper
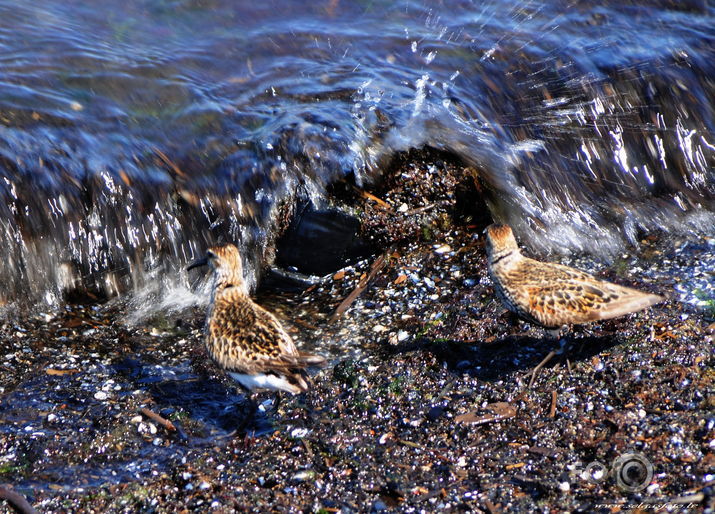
x,y
243,338
553,295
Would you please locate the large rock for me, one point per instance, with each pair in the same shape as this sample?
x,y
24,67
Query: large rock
x,y
321,241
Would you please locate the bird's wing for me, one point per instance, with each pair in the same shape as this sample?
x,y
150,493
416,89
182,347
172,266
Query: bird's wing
x,y
253,341
573,296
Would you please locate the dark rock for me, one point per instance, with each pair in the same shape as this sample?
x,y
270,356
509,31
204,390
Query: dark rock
x,y
276,279
321,241
435,413
379,506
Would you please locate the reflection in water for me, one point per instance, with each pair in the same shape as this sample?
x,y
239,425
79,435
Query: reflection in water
x,y
132,135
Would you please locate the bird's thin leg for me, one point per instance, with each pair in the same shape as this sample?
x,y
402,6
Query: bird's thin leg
x,y
543,363
252,408
252,405
249,438
251,416
555,333
277,400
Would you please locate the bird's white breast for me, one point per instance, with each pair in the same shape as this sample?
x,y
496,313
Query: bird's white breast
x,y
264,381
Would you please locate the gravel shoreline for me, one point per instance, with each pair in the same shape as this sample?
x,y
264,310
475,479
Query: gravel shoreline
x,y
424,407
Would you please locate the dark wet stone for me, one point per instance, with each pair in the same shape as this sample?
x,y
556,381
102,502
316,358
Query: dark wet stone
x,y
129,367
346,372
435,413
276,279
379,506
321,241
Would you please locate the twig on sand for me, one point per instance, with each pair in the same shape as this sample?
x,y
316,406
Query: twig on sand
x,y
16,500
162,421
376,267
382,203
548,357
418,210
499,412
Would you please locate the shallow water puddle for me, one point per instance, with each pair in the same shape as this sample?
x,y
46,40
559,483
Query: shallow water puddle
x,y
71,428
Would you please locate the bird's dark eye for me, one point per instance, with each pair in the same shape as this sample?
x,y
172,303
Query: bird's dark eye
x,y
210,254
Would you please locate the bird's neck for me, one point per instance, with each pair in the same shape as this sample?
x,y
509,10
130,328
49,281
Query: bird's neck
x,y
229,283
504,258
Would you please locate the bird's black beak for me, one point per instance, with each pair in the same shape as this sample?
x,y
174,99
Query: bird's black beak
x,y
203,261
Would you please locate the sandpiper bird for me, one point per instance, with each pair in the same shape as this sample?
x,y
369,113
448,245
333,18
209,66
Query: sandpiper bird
x,y
243,338
553,295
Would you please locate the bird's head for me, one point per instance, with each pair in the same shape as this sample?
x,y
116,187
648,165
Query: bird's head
x,y
500,240
225,260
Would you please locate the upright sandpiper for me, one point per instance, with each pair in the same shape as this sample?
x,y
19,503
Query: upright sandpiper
x,y
243,338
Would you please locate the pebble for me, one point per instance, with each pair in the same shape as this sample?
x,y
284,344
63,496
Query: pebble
x,y
299,433
100,395
378,506
302,476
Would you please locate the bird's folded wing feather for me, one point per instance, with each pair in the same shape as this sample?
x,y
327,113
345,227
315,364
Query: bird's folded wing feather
x,y
586,300
256,340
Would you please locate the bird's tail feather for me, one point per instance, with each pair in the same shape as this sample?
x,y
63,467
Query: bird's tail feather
x,y
311,359
627,305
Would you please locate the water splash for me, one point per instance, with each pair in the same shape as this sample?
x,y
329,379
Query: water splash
x,y
132,144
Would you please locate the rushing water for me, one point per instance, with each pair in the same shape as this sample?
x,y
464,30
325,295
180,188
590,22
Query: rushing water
x,y
134,133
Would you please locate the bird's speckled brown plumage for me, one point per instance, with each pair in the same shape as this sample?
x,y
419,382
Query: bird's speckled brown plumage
x,y
553,295
246,340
